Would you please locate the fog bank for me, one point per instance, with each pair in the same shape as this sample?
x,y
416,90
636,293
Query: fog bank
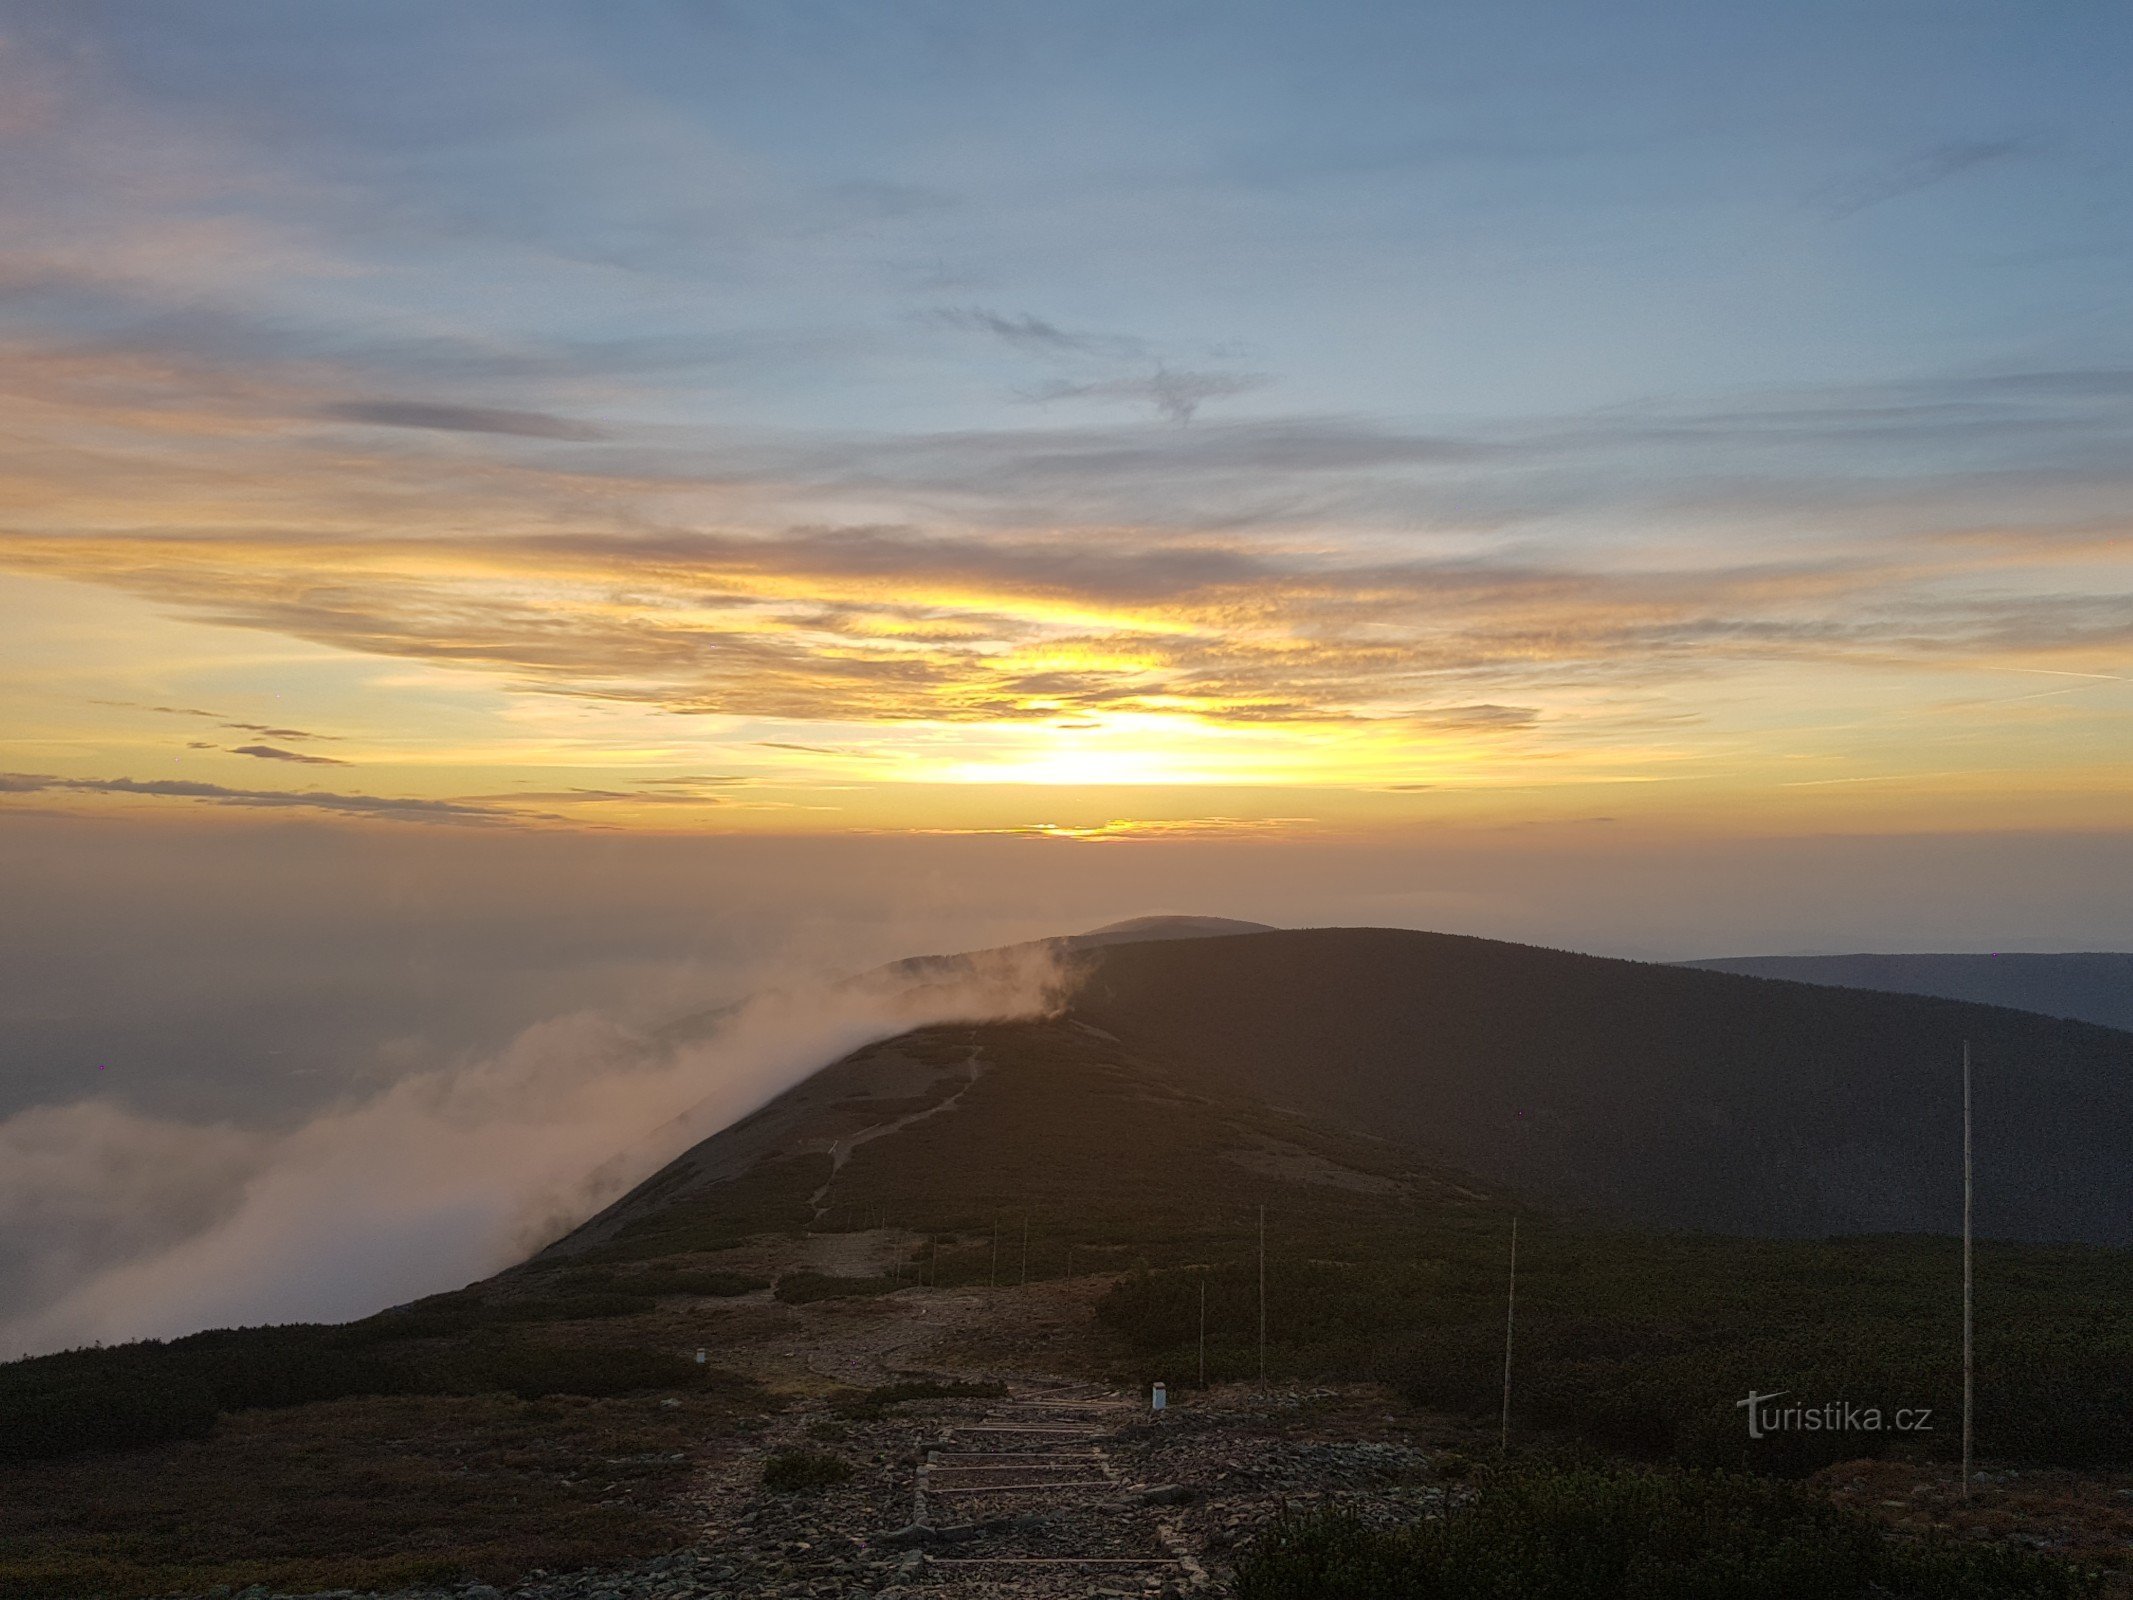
x,y
129,1226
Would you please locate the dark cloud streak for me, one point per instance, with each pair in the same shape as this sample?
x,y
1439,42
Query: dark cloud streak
x,y
1177,396
268,752
1930,166
350,805
460,419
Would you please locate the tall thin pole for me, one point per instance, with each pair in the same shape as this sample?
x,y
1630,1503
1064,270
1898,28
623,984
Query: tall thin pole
x,y
1262,1296
1203,1327
1966,1269
992,1274
1510,1309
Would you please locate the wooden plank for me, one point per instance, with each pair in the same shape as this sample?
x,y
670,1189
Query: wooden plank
x,y
1016,1427
1051,1561
1016,1488
947,1458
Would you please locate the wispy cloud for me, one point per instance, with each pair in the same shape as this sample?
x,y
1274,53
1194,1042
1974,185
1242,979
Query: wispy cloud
x,y
459,419
1033,334
264,729
351,805
1176,395
1935,164
268,752
892,625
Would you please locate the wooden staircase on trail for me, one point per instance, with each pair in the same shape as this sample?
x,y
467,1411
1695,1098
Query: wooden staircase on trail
x,y
1029,1499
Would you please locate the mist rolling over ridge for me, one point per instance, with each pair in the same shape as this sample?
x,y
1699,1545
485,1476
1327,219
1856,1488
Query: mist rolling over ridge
x,y
124,1226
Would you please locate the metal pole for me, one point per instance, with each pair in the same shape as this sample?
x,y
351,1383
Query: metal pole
x,y
1510,1307
1262,1297
1203,1327
1966,1269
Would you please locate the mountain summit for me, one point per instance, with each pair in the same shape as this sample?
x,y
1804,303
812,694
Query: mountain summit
x,y
1660,1095
1142,930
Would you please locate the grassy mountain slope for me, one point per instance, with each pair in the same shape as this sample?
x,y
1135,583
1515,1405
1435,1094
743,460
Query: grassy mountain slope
x,y
1666,1094
1053,1147
1050,1122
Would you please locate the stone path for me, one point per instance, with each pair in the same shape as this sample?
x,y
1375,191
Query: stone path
x,y
1029,1499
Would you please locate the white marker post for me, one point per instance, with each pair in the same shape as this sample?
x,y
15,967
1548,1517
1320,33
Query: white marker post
x,y
1203,1327
1966,1269
1262,1297
1510,1308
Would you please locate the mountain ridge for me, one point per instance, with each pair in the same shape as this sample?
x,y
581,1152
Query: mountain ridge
x,y
1665,1095
2079,985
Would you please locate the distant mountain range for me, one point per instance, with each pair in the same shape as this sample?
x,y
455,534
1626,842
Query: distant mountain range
x,y
2088,986
1660,1095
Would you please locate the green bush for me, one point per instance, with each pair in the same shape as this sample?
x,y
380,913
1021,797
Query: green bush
x,y
533,1370
873,1404
75,1407
572,1307
574,1298
796,1471
800,1288
1645,1344
1605,1534
705,1283
147,1393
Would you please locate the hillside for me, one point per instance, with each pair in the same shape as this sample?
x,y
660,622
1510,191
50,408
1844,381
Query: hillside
x,y
947,1128
872,1257
2083,986
1659,1094
1665,1094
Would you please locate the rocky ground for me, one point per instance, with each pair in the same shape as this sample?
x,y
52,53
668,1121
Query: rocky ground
x,y
1056,1486
1114,1504
1059,1485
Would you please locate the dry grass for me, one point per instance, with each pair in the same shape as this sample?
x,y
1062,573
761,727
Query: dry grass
x,y
367,1494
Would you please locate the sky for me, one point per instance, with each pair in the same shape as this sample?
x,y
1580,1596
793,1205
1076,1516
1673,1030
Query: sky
x,y
1095,421
521,521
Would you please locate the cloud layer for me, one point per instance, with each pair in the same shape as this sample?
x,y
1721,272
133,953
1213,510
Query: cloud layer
x,y
126,1226
621,377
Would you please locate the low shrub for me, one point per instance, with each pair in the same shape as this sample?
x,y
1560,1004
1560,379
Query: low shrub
x,y
797,1471
148,1393
574,1307
82,1407
446,1316
722,1284
1645,1344
873,1404
533,1370
801,1288
1582,1533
